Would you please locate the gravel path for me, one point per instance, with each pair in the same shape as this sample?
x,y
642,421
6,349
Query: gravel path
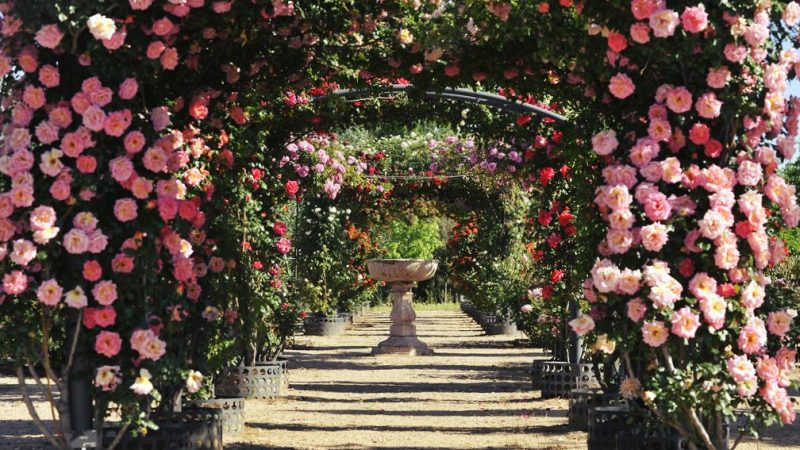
x,y
473,393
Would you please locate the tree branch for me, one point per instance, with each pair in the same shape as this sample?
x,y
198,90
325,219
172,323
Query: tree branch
x,y
26,398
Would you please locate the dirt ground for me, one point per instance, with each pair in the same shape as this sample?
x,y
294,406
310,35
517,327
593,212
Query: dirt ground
x,y
473,393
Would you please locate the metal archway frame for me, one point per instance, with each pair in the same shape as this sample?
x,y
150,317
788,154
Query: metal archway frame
x,y
482,98
456,94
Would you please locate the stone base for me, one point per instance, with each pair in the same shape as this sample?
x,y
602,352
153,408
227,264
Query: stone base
x,y
409,345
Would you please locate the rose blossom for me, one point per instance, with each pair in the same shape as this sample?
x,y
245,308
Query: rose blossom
x,y
15,282
604,143
779,322
791,14
655,333
107,378
708,106
685,323
679,100
636,309
740,368
49,292
749,173
664,23
49,36
752,296
142,384
654,236
582,325
125,209
101,27
105,292
695,19
752,336
640,33
194,381
621,86
108,343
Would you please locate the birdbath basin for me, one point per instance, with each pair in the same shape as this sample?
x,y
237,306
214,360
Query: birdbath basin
x,y
402,275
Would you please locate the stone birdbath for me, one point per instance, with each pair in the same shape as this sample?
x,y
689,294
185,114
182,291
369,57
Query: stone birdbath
x,y
402,275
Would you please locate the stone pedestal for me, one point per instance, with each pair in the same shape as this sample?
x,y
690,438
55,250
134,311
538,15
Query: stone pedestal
x,y
403,333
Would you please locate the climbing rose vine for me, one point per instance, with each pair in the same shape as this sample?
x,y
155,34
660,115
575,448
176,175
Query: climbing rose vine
x,y
692,203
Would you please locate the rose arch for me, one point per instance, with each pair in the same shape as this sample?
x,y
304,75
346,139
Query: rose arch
x,y
134,134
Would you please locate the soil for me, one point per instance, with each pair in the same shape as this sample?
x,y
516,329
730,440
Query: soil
x,y
473,393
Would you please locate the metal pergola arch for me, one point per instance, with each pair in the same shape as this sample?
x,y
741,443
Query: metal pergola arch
x,y
457,94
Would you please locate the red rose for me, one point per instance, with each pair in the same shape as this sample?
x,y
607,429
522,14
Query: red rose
x,y
292,187
547,292
686,267
726,290
565,218
545,175
258,265
545,218
279,228
556,276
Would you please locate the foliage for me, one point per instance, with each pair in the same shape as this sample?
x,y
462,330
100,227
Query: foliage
x,y
416,239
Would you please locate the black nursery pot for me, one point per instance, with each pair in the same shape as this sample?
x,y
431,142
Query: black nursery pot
x,y
192,429
326,325
261,381
232,410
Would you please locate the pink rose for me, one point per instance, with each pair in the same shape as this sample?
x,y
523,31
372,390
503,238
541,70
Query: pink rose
x,y
718,78
284,245
163,26
654,236
94,118
86,164
134,141
105,292
654,333
125,209
752,336
128,89
664,23
640,33
779,322
604,143
695,18
700,133
752,295
140,5
749,173
636,309
49,36
582,325
643,9
740,368
155,49
49,76
169,59
107,343
15,282
621,86
735,53
49,292
685,323
679,100
76,242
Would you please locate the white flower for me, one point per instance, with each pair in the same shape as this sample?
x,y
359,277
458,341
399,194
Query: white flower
x,y
142,385
194,381
101,27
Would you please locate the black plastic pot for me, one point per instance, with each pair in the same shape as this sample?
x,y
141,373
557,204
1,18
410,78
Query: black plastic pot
x,y
605,424
232,410
581,400
496,325
262,381
191,429
326,325
558,378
